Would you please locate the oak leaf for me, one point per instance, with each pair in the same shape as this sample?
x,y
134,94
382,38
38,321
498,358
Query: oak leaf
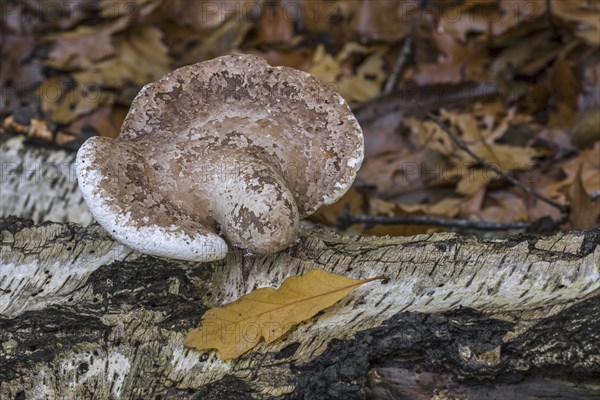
x,y
269,313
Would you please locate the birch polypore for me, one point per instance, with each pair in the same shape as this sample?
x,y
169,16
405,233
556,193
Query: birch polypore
x,y
230,150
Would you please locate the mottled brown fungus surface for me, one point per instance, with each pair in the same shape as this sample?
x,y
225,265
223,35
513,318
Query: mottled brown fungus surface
x,y
230,147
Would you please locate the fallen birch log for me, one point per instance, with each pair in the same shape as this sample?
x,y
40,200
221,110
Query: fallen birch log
x,y
85,317
39,183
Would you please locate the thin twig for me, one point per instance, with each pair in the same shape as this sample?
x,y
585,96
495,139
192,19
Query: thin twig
x,y
562,207
347,220
544,224
549,16
400,65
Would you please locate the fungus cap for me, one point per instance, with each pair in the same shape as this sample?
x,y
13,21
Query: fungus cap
x,y
229,147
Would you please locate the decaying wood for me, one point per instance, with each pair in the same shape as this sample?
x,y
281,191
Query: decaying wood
x,y
85,317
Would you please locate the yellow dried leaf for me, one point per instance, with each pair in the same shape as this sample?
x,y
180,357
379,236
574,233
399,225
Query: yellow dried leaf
x,y
324,65
269,313
350,49
448,207
367,82
506,157
473,181
64,105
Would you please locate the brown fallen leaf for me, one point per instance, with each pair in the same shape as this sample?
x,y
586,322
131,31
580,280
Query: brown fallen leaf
x,y
228,36
205,15
82,46
448,207
329,214
586,14
584,212
565,83
385,20
269,313
275,26
590,174
457,62
507,158
504,207
585,131
473,181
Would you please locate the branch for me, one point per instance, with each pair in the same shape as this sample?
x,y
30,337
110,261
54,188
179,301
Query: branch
x,y
400,65
562,207
346,220
543,225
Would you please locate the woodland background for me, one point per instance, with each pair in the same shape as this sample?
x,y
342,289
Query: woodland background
x,y
518,82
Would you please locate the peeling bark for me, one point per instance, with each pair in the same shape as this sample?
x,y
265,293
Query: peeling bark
x,y
460,318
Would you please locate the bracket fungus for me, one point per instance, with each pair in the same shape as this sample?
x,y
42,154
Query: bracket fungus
x,y
230,150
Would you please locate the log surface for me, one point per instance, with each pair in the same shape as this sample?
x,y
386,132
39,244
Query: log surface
x,y
39,183
85,317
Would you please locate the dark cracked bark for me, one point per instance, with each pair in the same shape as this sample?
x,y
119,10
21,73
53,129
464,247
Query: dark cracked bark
x,y
85,317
